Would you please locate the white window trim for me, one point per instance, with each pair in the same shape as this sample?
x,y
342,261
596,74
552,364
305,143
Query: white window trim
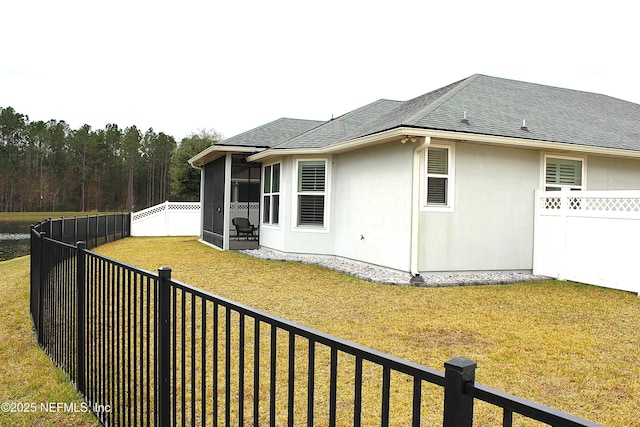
x,y
294,196
451,184
262,194
543,168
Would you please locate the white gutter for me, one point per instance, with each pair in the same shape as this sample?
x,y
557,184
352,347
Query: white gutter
x,y
415,206
201,170
523,142
216,151
378,138
201,234
397,133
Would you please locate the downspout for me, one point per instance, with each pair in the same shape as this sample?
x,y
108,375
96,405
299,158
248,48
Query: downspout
x,y
416,279
227,201
201,169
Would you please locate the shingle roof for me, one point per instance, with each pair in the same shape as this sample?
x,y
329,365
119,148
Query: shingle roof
x,y
272,133
342,127
496,106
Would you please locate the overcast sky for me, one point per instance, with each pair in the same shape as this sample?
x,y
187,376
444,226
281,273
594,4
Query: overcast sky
x,y
183,66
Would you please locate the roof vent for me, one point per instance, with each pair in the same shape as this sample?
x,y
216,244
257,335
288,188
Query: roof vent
x,y
524,125
464,118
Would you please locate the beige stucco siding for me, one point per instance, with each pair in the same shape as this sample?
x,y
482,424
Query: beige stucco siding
x,y
273,236
610,173
371,212
491,227
369,208
286,236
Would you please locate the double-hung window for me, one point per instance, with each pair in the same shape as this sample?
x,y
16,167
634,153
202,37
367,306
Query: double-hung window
x,y
562,173
311,193
271,194
439,178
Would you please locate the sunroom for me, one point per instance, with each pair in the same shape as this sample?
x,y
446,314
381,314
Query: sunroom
x,y
230,195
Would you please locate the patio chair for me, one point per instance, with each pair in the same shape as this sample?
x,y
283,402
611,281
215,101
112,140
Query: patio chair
x,y
243,226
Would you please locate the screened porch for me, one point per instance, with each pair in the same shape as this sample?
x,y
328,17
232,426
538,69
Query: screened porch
x,y
244,210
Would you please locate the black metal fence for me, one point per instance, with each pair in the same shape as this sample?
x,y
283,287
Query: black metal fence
x,y
94,230
154,351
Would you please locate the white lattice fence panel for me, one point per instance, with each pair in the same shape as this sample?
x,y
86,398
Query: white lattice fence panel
x,y
609,204
184,206
588,236
585,203
550,203
153,210
167,219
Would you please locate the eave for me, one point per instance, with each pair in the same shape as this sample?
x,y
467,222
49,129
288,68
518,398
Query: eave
x,y
528,143
354,144
400,132
215,151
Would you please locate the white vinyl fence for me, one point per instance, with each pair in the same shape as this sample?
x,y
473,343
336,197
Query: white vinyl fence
x,y
589,237
167,219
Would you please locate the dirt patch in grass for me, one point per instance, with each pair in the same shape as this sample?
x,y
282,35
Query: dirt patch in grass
x,y
449,338
566,345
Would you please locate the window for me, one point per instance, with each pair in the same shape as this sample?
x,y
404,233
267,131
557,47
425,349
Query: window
x,y
271,194
563,173
439,177
311,193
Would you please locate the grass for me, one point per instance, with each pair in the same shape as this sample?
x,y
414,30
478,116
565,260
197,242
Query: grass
x,y
34,217
566,345
570,346
27,374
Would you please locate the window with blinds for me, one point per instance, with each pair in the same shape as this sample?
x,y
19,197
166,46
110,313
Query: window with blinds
x,y
271,194
563,173
311,193
438,176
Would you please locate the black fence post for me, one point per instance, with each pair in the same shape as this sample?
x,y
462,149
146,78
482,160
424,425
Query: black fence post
x,y
43,277
87,228
80,313
458,406
35,275
163,330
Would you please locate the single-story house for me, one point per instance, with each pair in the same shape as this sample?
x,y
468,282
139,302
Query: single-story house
x,y
442,182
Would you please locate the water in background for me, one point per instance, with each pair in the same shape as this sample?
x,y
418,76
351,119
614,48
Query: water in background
x,y
14,239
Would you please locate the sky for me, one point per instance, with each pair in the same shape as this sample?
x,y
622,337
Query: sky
x,y
181,67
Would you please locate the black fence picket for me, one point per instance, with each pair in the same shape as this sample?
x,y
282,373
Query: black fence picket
x,y
144,349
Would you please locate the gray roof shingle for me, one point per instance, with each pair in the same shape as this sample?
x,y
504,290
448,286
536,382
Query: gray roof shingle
x,y
272,133
494,106
497,106
342,127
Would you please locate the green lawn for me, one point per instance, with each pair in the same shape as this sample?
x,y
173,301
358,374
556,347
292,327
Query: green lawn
x,y
35,217
27,374
570,346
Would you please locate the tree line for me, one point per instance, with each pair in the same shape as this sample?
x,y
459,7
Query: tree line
x,y
47,166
